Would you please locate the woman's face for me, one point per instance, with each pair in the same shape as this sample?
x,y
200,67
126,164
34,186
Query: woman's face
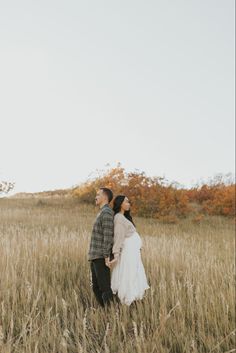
x,y
125,206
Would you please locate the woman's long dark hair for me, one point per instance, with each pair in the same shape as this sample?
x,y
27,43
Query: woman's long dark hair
x,y
117,207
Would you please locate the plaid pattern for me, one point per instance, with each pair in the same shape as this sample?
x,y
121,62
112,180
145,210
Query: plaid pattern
x,y
102,234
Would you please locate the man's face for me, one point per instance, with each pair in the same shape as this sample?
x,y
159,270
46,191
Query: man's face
x,y
100,198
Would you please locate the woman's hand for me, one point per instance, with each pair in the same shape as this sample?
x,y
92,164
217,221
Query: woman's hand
x,y
112,263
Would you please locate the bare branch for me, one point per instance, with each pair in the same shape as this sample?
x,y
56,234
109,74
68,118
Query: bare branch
x,y
6,186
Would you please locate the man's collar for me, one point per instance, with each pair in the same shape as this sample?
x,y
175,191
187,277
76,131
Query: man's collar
x,y
106,205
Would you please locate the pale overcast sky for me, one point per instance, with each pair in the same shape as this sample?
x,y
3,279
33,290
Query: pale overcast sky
x,y
84,83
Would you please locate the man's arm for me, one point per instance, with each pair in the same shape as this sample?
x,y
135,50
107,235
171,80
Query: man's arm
x,y
108,233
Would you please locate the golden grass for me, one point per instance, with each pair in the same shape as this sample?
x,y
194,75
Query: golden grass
x,y
47,304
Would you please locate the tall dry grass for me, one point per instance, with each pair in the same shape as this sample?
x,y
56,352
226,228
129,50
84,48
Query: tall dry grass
x,y
46,301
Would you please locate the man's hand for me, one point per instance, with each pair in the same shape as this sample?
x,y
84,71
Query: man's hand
x,y
107,262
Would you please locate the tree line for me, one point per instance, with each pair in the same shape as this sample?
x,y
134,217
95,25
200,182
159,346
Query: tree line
x,y
157,198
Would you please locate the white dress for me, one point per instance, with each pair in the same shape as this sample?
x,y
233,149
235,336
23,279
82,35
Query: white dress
x,y
128,278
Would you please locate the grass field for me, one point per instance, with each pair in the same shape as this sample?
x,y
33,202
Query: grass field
x,y
47,304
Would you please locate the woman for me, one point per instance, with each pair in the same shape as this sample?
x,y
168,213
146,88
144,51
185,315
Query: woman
x,y
128,278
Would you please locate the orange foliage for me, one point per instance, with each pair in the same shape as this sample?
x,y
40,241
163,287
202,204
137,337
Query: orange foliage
x,y
149,196
152,197
198,218
218,199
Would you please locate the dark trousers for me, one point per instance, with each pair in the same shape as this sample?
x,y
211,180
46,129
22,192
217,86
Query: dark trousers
x,y
101,282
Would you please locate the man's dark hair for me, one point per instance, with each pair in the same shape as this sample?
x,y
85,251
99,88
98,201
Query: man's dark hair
x,y
108,192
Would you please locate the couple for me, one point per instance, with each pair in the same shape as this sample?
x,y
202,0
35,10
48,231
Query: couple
x,y
115,245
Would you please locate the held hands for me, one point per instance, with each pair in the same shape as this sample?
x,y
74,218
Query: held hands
x,y
109,263
112,263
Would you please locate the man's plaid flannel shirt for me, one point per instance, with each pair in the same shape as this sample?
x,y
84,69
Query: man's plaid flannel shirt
x,y
102,234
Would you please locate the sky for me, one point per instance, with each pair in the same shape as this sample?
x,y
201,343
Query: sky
x,y
83,84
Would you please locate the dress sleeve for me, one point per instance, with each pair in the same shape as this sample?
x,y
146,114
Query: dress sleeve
x,y
119,237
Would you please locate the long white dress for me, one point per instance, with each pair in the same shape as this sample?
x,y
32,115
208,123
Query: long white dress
x,y
128,278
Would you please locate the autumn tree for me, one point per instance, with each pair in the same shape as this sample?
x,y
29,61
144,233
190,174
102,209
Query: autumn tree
x,y
150,196
215,196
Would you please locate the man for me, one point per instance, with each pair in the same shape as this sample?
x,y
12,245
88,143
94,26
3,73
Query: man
x,y
100,248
